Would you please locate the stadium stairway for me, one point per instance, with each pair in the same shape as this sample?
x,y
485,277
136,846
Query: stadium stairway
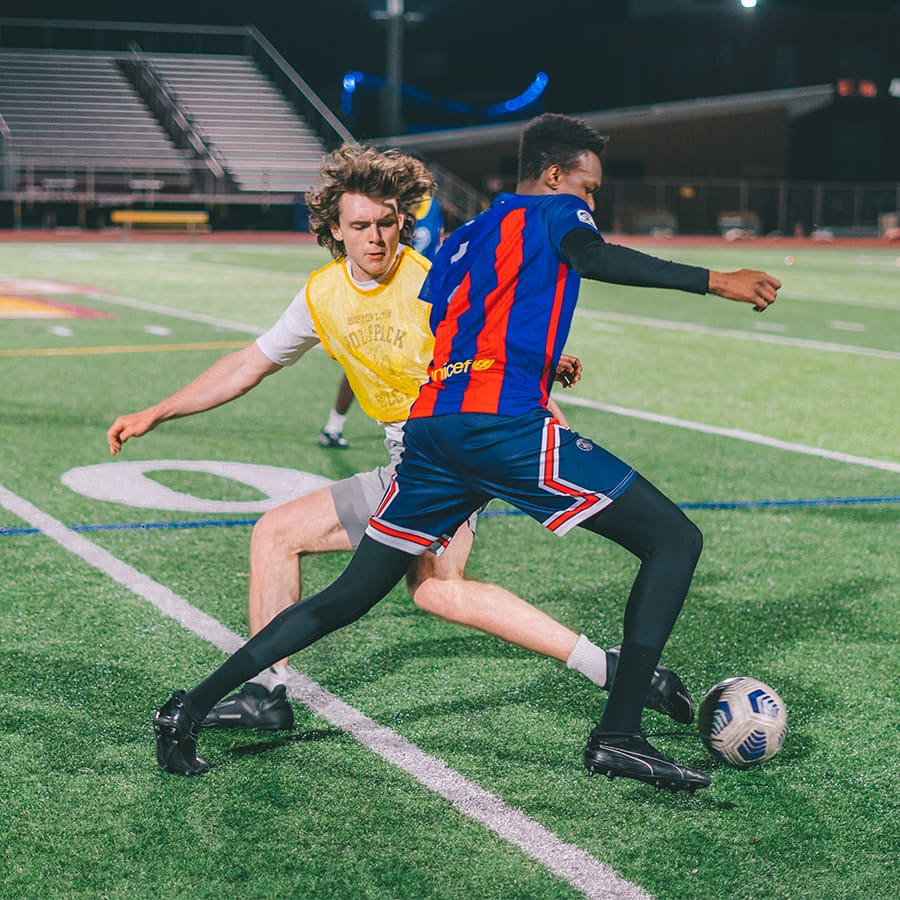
x,y
263,142
75,113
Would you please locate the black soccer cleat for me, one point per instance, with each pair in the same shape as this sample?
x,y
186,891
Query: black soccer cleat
x,y
633,756
176,738
253,706
667,693
333,440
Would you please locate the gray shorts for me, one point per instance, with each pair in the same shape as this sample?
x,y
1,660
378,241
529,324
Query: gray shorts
x,y
357,497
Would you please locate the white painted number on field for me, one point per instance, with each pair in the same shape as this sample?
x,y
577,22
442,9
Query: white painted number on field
x,y
127,483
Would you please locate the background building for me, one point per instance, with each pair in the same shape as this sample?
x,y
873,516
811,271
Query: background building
x,y
790,110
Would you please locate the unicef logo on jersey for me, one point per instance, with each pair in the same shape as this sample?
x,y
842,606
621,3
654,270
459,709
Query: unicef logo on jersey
x,y
586,217
584,444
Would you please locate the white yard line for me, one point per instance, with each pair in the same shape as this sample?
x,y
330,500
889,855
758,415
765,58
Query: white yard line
x,y
695,328
225,324
735,433
570,863
647,321
837,301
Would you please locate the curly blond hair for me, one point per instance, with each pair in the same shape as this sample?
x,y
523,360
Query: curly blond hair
x,y
381,175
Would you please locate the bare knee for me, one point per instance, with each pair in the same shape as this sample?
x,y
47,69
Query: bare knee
x,y
436,582
438,596
272,536
425,592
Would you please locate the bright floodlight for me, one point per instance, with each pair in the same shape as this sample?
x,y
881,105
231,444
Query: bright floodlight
x,y
748,4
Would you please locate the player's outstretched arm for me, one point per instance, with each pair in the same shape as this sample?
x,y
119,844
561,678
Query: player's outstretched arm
x,y
591,257
745,286
230,377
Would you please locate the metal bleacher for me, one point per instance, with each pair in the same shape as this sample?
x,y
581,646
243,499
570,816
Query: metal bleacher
x,y
75,121
106,114
260,139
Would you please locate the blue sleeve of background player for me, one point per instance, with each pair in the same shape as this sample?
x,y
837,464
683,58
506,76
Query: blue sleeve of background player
x,y
446,272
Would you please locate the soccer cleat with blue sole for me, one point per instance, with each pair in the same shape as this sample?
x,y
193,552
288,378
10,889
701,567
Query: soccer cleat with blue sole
x,y
176,738
618,755
667,693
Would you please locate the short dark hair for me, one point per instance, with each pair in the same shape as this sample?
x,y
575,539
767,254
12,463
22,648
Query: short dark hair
x,y
556,140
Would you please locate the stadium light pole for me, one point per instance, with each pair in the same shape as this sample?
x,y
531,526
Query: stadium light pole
x,y
394,66
395,18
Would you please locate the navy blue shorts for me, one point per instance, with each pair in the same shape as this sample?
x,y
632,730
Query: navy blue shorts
x,y
454,464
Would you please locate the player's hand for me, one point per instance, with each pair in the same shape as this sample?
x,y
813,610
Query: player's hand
x,y
745,286
129,426
568,370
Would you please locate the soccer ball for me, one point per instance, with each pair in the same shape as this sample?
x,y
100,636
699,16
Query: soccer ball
x,y
742,721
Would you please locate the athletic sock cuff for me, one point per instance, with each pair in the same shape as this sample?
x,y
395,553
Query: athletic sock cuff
x,y
590,660
271,677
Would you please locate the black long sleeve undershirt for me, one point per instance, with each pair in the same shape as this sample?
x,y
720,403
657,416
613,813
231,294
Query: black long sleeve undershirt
x,y
591,257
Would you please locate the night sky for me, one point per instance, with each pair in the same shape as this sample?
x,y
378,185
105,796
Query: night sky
x,y
477,52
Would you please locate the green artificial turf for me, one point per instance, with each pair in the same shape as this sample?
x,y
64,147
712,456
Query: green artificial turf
x,y
801,597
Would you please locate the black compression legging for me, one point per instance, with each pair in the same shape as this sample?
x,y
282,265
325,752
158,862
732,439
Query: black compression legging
x,y
370,575
642,520
645,522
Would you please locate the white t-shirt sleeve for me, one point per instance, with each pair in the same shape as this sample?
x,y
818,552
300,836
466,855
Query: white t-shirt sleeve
x,y
292,335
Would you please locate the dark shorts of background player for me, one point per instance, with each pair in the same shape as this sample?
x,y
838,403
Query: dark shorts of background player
x,y
453,464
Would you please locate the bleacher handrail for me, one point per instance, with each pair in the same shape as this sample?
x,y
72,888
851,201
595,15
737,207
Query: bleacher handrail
x,y
6,176
455,195
170,107
310,97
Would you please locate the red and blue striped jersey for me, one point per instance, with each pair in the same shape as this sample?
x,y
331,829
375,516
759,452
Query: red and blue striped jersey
x,y
502,299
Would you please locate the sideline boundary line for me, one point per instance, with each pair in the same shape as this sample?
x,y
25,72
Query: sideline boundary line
x,y
760,336
567,861
587,312
736,433
225,324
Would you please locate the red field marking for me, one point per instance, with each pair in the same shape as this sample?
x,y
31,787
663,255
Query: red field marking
x,y
19,307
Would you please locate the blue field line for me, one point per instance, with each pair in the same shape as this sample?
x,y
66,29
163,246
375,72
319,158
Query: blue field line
x,y
814,501
143,526
724,504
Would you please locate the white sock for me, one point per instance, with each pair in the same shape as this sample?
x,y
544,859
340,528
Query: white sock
x,y
590,660
335,423
272,677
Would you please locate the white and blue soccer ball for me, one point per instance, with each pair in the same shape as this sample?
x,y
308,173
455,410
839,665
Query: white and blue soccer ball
x,y
742,721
